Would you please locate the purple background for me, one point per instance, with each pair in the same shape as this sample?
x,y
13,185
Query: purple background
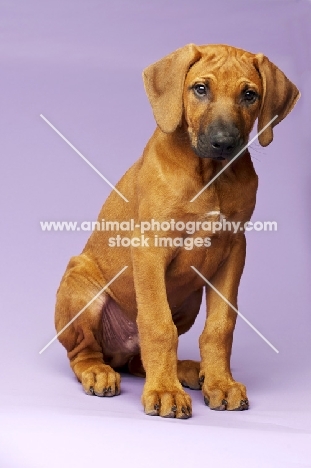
x,y
79,63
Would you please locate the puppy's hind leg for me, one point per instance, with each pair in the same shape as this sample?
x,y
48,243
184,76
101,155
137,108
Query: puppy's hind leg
x,y
82,338
188,374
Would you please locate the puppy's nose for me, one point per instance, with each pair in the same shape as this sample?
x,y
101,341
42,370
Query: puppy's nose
x,y
223,143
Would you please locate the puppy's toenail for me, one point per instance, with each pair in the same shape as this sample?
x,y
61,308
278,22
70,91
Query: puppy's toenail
x,y
92,390
201,379
174,408
206,401
157,407
224,402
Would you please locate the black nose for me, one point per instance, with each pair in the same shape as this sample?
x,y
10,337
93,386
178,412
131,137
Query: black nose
x,y
223,143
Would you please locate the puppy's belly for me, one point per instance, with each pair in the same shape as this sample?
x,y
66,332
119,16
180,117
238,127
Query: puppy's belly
x,y
119,336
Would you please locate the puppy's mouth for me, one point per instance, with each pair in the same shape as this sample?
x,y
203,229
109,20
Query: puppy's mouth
x,y
218,158
208,153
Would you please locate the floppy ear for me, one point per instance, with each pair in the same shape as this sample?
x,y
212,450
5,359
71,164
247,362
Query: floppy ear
x,y
164,83
279,97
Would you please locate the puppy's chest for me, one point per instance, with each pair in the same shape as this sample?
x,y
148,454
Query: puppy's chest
x,y
218,217
232,194
224,205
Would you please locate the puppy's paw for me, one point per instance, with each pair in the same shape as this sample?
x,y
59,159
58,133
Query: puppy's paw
x,y
225,396
101,380
168,403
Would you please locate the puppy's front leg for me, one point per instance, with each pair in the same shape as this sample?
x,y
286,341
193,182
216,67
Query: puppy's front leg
x,y
220,390
163,394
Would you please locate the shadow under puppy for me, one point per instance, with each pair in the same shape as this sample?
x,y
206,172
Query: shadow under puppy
x,y
205,100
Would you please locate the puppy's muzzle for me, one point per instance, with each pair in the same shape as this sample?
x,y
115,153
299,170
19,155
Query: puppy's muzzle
x,y
219,142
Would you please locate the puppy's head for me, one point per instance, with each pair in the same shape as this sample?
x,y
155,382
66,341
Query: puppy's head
x,y
216,92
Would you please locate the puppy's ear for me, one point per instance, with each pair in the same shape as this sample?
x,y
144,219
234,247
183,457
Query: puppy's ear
x,y
164,83
279,97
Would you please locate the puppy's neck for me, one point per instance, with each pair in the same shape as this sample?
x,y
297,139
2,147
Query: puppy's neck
x,y
175,149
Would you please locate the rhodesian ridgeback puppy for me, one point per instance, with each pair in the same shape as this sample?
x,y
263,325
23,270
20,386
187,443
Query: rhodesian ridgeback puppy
x,y
205,100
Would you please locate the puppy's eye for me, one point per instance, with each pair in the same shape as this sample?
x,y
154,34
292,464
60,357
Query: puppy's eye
x,y
249,96
200,89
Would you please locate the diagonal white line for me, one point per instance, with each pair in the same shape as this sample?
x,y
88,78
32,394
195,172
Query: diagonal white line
x,y
233,159
83,157
82,310
236,310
